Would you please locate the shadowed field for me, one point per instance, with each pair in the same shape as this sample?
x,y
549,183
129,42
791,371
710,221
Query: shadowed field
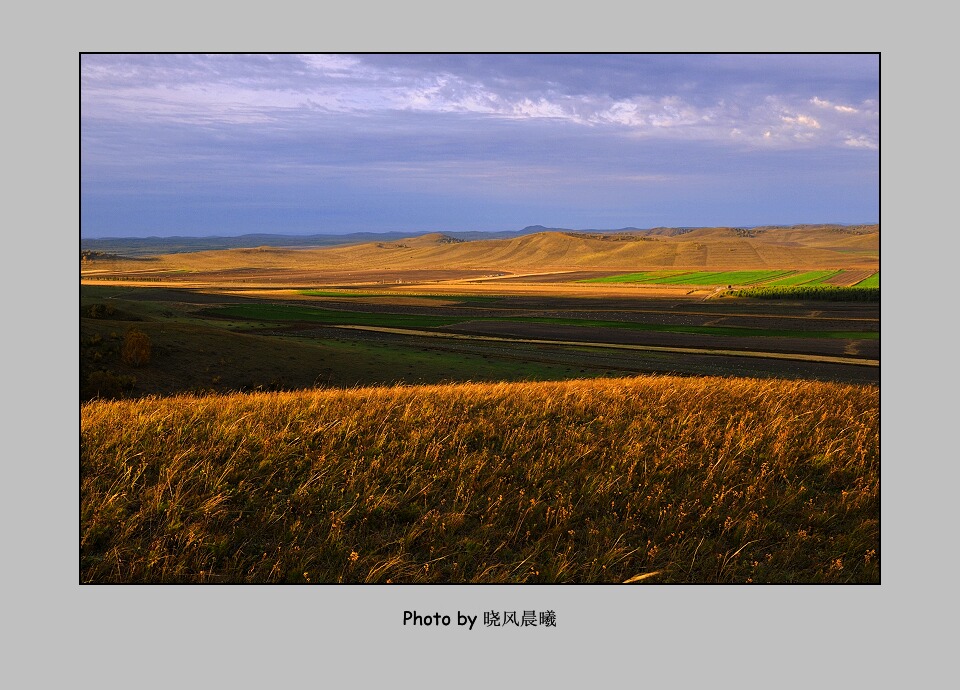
x,y
209,340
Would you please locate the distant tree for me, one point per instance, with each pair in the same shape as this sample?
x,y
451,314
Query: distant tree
x,y
136,348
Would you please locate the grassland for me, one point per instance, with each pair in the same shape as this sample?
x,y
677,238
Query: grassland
x,y
703,249
210,341
196,354
261,414
674,479
284,312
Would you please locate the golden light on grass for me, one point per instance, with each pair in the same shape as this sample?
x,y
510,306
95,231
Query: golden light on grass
x,y
641,577
606,480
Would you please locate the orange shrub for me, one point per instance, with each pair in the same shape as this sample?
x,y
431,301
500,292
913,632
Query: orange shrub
x,y
136,348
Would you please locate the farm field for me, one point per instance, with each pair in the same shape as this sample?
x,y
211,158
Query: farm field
x,y
208,341
382,412
843,278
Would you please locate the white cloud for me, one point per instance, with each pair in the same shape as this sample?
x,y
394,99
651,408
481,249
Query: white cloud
x,y
860,142
821,103
802,120
305,88
540,108
622,113
332,65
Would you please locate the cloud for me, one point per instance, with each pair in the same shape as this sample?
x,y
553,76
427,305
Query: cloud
x,y
802,120
820,103
860,142
661,96
280,129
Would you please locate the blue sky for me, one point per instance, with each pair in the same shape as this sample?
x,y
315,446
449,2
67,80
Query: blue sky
x,y
299,144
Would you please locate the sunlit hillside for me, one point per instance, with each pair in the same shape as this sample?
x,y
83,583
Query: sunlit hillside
x,y
722,248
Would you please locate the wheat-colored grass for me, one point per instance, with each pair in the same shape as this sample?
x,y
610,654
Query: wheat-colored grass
x,y
710,248
648,480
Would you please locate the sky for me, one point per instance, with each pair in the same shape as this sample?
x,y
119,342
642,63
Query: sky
x,y
229,144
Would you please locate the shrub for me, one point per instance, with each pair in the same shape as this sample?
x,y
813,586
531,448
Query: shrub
x,y
136,348
98,311
103,384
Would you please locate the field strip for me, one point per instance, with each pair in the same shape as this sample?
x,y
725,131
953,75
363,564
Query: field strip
x,y
620,346
511,275
750,315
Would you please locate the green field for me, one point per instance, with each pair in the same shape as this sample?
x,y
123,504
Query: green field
x,y
736,331
200,356
710,278
205,342
696,278
284,312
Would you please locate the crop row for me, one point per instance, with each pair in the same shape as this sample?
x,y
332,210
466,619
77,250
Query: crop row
x,y
783,278
830,293
871,282
692,278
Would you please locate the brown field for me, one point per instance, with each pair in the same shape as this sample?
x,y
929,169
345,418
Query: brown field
x,y
849,278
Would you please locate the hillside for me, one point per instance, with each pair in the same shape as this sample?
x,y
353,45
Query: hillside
x,y
659,479
814,247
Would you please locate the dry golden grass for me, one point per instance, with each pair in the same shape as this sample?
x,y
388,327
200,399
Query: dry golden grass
x,y
712,248
650,479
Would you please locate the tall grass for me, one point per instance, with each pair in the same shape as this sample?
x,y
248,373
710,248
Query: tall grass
x,y
831,293
655,479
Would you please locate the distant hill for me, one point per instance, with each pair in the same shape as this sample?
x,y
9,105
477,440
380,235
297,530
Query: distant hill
x,y
151,246
148,246
141,246
793,247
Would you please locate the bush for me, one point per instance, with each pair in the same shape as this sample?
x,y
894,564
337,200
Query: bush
x,y
103,384
136,348
98,311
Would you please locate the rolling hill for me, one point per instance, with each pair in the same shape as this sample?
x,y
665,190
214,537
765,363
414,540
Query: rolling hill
x,y
797,247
